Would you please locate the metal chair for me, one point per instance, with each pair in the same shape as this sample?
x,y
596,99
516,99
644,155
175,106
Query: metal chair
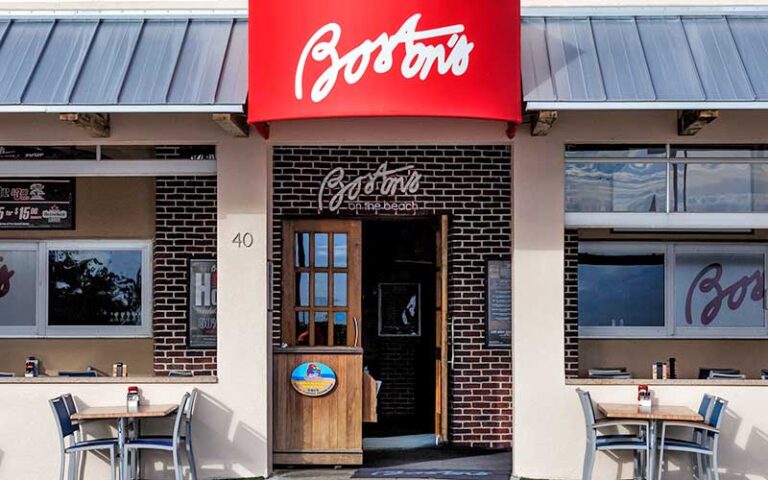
x,y
7,374
612,373
725,376
638,442
704,373
170,443
67,430
84,373
706,437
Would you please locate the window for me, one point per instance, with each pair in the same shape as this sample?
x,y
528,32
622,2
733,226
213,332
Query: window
x,y
671,289
75,288
626,181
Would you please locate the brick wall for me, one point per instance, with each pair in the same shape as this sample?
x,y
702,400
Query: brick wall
x,y
571,316
473,185
398,376
185,228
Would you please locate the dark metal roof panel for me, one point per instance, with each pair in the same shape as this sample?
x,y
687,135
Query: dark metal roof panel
x,y
624,69
123,61
643,59
573,59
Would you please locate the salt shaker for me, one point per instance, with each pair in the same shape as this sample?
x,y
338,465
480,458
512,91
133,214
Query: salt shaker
x,y
133,399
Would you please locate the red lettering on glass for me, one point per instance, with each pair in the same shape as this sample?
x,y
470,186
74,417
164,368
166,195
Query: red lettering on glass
x,y
734,295
5,279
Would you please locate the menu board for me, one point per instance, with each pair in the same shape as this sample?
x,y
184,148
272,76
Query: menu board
x,y
498,308
37,204
203,282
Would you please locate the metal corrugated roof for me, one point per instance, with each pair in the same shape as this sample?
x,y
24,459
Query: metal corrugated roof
x,y
123,64
651,62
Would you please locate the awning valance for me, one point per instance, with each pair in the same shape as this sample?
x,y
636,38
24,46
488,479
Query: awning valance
x,y
123,64
637,62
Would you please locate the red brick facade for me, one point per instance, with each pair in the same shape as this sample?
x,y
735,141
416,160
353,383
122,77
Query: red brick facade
x,y
472,184
185,227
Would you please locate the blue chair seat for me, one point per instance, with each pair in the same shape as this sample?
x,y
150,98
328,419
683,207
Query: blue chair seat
x,y
91,444
685,446
616,437
619,444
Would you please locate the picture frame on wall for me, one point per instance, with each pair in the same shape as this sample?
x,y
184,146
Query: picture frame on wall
x,y
399,309
498,303
202,302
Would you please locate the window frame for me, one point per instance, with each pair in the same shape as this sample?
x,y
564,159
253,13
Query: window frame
x,y
42,328
669,218
670,329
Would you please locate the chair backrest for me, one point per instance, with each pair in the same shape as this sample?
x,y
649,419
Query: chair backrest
x,y
717,412
84,373
180,414
180,373
7,374
705,406
61,414
620,372
191,410
721,375
764,374
589,412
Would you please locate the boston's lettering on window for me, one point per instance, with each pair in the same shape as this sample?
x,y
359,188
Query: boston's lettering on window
x,y
669,289
75,288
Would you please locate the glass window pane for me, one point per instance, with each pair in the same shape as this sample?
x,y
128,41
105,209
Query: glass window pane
x,y
302,250
321,289
340,250
302,289
722,187
720,151
321,328
302,328
94,287
18,287
719,289
321,250
621,290
340,328
615,187
615,151
340,289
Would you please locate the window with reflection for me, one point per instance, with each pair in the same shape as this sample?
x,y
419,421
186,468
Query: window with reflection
x,y
321,270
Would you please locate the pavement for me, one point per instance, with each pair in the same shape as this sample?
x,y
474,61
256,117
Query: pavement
x,y
420,459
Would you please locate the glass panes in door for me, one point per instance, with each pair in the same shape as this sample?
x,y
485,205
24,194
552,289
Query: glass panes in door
x,y
320,310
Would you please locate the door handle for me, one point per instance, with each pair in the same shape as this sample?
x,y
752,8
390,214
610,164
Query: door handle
x,y
357,331
450,343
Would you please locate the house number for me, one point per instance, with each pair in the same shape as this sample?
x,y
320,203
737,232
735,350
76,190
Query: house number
x,y
243,240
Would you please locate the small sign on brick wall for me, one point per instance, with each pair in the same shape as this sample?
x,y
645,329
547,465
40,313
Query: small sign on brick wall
x,y
203,281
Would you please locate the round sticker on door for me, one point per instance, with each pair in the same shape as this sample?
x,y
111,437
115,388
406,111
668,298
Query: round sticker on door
x,y
313,379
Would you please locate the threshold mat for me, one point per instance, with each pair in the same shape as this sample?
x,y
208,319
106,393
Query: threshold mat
x,y
433,473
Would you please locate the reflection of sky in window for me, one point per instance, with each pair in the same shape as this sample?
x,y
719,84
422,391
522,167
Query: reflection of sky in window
x,y
621,295
119,262
723,187
615,187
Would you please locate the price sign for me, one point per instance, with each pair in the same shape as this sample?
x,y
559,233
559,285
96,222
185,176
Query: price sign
x,y
37,204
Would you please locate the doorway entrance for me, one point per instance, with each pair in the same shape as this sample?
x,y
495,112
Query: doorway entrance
x,y
366,300
399,307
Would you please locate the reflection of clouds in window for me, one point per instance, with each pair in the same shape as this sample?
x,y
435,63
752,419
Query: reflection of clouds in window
x,y
615,187
723,187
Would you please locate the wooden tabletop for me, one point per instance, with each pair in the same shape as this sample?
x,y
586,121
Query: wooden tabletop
x,y
115,412
657,412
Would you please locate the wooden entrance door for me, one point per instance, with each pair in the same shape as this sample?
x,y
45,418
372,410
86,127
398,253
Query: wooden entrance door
x,y
441,333
321,308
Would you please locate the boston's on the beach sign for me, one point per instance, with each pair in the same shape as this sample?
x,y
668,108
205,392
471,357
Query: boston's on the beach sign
x,y
350,58
384,190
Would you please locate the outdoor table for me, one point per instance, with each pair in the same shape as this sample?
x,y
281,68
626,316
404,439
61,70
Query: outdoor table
x,y
121,414
654,415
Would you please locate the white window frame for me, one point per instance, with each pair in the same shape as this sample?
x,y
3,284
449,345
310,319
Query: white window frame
x,y
42,327
25,330
670,329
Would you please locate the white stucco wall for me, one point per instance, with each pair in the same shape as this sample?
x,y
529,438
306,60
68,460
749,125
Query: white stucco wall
x,y
231,438
549,436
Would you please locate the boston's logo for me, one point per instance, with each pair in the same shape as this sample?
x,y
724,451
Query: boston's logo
x,y
383,181
708,282
5,279
420,58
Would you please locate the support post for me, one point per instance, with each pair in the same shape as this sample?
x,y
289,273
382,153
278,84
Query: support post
x,y
690,122
235,124
542,122
95,124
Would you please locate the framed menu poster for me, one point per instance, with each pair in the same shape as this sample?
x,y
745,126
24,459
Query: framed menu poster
x,y
37,204
498,303
203,282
